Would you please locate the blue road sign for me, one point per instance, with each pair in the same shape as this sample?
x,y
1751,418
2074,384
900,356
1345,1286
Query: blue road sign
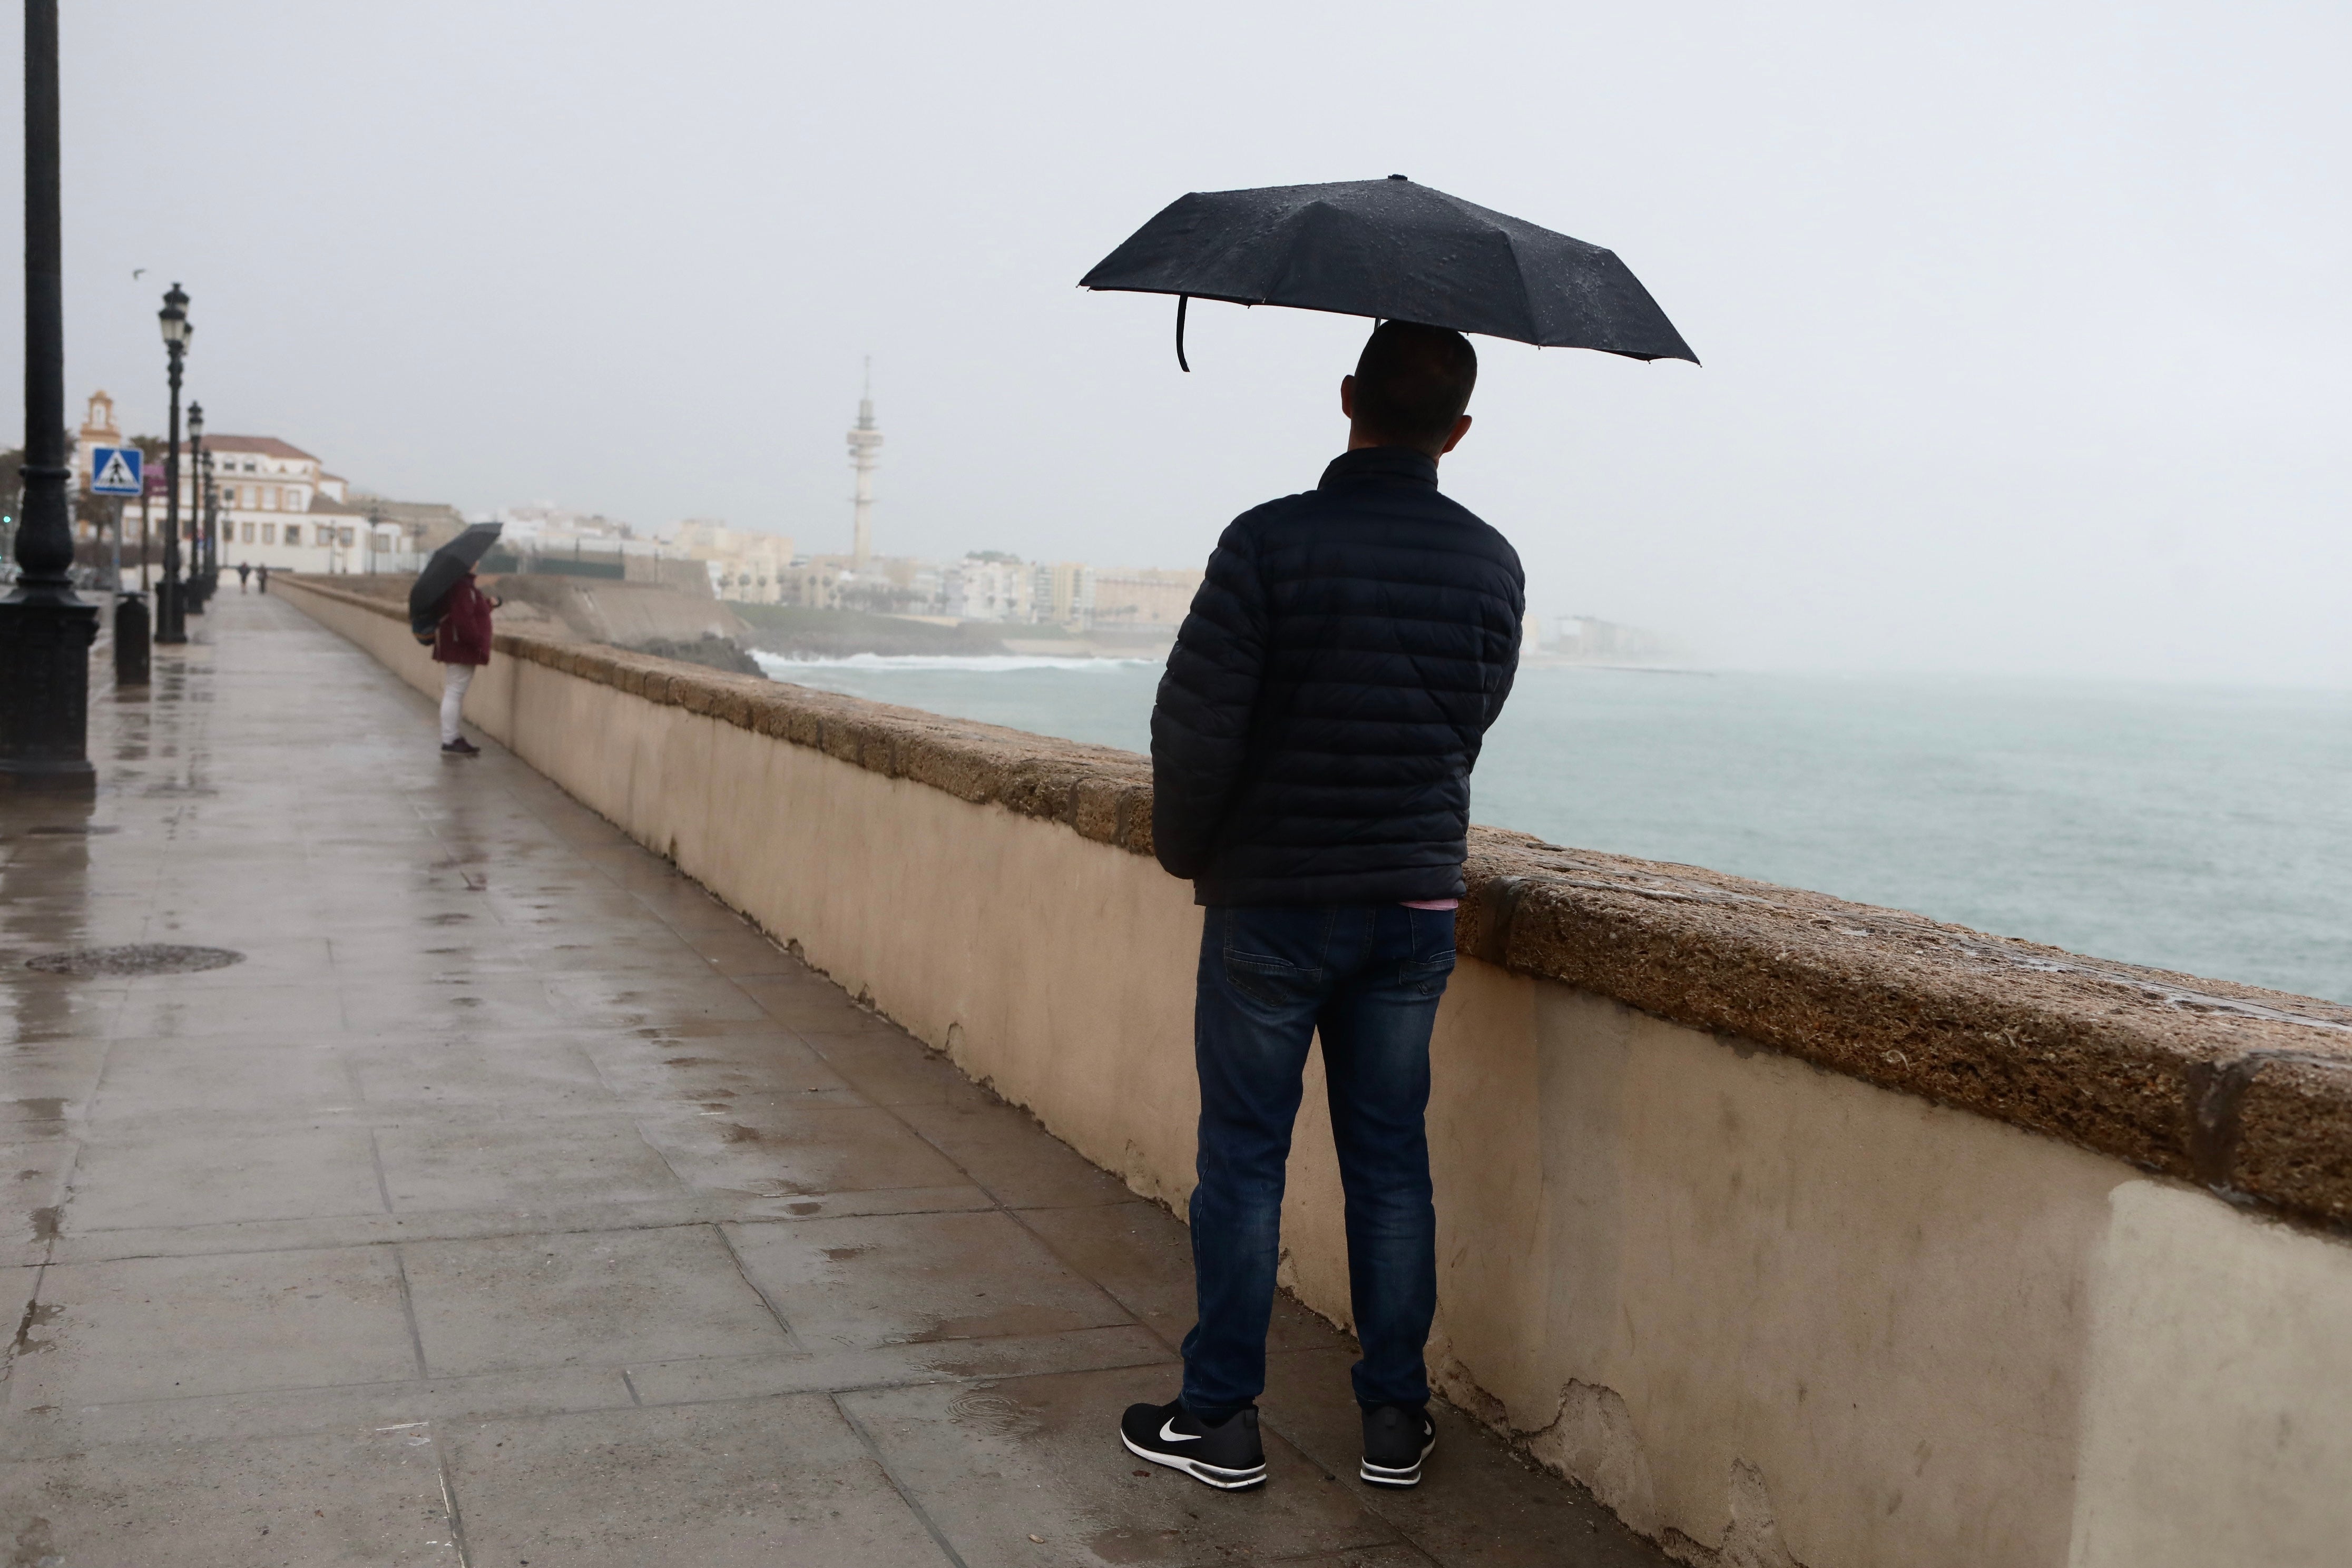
x,y
114,470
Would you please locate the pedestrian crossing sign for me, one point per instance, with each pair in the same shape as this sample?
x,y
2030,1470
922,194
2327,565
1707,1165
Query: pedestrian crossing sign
x,y
114,470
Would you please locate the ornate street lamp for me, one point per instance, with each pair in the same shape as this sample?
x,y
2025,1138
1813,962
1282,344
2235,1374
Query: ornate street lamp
x,y
170,625
46,629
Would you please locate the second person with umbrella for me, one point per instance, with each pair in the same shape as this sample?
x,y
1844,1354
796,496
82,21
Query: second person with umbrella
x,y
461,644
448,612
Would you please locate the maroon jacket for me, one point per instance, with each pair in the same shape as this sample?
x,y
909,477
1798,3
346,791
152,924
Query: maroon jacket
x,y
464,637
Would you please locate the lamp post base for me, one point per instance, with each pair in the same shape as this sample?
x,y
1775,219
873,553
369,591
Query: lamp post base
x,y
171,627
131,635
45,702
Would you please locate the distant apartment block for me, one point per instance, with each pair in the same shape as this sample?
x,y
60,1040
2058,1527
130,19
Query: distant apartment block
x,y
990,587
1143,596
746,566
1062,593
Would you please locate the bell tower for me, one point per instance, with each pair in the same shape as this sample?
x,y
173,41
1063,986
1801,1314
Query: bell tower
x,y
97,425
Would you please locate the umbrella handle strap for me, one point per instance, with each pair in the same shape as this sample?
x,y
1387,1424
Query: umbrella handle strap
x,y
1181,300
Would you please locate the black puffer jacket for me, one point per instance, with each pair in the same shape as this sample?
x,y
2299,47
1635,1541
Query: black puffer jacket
x,y
1314,735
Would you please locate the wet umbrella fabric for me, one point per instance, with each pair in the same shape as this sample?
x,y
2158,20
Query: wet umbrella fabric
x,y
1396,251
441,573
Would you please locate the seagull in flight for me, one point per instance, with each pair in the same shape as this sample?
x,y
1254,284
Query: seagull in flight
x,y
135,272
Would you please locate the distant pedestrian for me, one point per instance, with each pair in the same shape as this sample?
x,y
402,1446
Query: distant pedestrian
x,y
244,570
264,569
1311,749
461,644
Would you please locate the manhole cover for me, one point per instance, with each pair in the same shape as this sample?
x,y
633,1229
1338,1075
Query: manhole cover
x,y
143,958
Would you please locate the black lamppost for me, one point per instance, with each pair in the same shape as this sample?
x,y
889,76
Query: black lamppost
x,y
170,625
194,590
46,629
212,529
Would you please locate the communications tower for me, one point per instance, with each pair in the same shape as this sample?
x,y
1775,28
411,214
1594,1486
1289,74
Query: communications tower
x,y
862,440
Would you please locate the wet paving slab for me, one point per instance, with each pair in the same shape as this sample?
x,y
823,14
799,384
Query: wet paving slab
x,y
507,1199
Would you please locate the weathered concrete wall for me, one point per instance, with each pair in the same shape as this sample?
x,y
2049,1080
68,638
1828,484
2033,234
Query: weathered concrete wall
x,y
1800,1232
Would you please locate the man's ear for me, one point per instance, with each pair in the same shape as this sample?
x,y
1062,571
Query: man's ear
x,y
1347,396
1461,428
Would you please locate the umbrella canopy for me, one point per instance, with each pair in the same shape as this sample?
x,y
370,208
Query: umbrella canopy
x,y
448,564
1394,251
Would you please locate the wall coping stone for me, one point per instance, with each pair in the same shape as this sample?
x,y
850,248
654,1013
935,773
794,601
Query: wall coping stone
x,y
2244,1092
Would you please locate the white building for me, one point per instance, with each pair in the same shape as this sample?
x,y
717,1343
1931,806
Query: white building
x,y
545,521
280,509
990,588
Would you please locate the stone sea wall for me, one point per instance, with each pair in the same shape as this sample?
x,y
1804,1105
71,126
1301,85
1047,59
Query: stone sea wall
x,y
1801,1231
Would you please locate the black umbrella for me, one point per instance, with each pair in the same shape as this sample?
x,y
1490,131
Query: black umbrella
x,y
1394,251
448,564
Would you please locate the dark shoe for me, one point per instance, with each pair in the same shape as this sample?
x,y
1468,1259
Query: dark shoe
x,y
1228,1457
1397,1438
462,747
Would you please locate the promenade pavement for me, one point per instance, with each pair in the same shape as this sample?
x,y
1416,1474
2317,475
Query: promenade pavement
x,y
510,1201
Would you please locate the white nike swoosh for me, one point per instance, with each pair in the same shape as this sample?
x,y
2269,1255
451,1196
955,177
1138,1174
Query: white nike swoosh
x,y
1168,1434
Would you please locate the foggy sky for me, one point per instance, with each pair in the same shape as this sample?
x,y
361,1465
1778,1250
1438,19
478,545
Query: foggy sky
x,y
2025,325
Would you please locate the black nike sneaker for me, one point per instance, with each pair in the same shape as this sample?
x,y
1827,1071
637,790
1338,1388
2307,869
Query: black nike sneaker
x,y
1397,1438
1228,1457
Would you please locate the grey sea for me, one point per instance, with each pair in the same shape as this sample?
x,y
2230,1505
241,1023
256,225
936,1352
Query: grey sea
x,y
2200,829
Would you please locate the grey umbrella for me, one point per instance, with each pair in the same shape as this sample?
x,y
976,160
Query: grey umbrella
x,y
449,564
1392,250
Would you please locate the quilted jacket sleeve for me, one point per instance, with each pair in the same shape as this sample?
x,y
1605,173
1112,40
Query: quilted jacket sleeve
x,y
1502,692
1201,719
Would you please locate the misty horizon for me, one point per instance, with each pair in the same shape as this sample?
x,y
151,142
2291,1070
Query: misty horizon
x,y
2021,352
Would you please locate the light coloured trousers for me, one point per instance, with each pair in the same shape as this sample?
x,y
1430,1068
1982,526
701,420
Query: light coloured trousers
x,y
454,678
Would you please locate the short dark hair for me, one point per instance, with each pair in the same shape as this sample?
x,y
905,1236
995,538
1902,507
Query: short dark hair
x,y
1413,383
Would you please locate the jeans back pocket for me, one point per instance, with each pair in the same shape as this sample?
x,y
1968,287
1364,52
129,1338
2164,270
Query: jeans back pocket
x,y
1274,956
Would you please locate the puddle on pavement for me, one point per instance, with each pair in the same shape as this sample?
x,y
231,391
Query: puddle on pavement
x,y
993,1414
35,1317
139,958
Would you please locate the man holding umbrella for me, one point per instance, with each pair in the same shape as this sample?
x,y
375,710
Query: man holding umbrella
x,y
1311,751
448,611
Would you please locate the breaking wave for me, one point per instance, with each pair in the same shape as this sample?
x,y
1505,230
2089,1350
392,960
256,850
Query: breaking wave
x,y
783,668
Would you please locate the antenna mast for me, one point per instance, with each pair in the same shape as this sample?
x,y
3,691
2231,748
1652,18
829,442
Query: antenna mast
x,y
863,438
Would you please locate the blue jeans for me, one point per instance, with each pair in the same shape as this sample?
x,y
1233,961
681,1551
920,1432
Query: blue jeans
x,y
1368,977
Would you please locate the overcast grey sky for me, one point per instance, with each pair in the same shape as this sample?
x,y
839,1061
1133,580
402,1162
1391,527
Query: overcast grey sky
x,y
2025,323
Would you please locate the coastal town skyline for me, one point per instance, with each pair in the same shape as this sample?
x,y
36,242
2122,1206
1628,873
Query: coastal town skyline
x,y
2022,353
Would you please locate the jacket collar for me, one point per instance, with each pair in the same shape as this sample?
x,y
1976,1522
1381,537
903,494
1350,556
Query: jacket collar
x,y
1381,465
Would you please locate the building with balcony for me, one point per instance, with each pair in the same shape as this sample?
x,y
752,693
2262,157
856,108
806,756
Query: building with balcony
x,y
1063,594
